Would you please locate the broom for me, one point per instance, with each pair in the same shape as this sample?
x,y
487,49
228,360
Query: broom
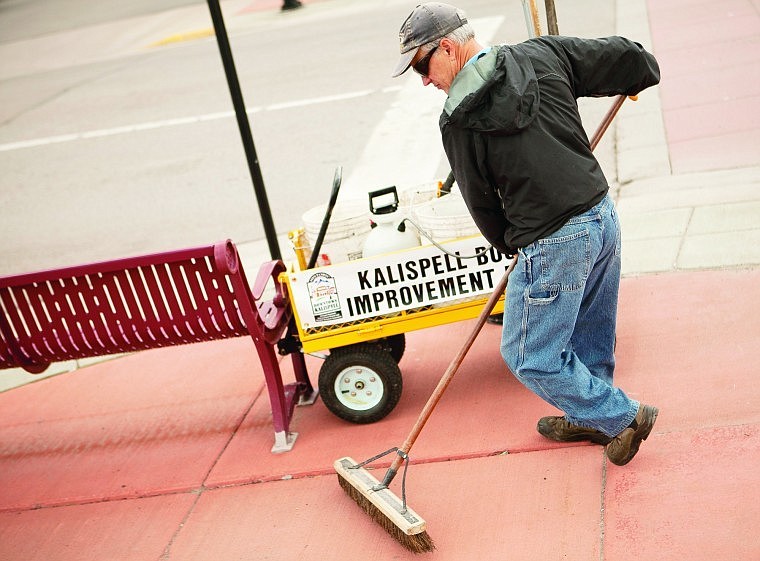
x,y
383,506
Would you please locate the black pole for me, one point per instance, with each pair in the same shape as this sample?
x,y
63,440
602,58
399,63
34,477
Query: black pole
x,y
245,128
551,18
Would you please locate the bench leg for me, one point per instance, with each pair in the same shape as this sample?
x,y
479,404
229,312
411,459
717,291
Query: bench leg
x,y
308,394
280,398
283,441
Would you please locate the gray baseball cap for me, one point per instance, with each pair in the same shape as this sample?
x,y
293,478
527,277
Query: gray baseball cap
x,y
426,23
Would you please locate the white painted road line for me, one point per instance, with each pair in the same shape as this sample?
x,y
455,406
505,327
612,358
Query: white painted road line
x,y
126,129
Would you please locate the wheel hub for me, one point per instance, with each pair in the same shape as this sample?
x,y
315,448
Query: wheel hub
x,y
359,388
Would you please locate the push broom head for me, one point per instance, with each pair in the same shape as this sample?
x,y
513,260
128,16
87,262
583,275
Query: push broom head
x,y
383,506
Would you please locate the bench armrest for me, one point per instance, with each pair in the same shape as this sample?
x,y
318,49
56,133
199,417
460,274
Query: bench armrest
x,y
270,270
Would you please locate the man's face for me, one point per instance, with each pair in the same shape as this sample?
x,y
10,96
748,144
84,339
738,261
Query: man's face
x,y
437,68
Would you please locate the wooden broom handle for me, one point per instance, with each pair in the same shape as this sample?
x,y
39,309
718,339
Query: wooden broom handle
x,y
445,380
553,29
534,18
611,112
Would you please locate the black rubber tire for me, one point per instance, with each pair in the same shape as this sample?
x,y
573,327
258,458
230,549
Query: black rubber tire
x,y
395,344
361,367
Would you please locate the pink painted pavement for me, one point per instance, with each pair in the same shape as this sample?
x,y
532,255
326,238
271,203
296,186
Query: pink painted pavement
x,y
709,55
165,454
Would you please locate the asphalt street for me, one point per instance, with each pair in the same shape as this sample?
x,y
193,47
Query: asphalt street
x,y
117,135
26,19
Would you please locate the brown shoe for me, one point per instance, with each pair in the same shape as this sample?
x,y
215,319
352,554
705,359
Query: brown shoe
x,y
559,429
291,4
624,446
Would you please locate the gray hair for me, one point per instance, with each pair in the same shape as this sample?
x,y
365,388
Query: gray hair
x,y
460,36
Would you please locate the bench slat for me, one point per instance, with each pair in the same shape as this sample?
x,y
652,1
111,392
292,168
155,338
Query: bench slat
x,y
45,308
196,290
6,359
149,321
79,328
15,331
128,312
222,320
178,281
103,312
181,328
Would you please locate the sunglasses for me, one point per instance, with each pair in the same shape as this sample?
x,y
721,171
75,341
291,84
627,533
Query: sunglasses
x,y
422,66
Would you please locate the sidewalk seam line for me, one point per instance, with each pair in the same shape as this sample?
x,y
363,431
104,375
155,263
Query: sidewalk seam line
x,y
167,549
234,431
682,243
202,489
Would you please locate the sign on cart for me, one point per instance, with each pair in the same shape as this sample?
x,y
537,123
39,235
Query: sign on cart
x,y
395,282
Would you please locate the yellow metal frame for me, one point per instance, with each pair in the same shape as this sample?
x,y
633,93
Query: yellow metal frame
x,y
384,326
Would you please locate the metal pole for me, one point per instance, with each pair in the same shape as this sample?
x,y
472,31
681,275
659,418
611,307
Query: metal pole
x,y
551,18
531,18
528,19
245,129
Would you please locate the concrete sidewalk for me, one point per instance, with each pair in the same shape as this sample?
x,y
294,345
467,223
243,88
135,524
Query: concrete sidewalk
x,y
165,455
151,457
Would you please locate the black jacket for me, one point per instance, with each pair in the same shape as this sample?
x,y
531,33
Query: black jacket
x,y
514,138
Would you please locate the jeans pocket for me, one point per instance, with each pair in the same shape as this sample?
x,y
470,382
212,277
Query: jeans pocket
x,y
565,261
538,296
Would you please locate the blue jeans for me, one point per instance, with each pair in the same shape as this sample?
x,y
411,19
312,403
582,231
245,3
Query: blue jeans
x,y
559,323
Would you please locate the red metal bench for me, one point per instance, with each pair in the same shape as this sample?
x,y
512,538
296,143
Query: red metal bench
x,y
158,300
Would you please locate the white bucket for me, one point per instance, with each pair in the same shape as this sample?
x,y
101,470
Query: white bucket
x,y
348,228
409,199
446,218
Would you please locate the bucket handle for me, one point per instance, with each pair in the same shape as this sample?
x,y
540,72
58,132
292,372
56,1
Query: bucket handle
x,y
385,209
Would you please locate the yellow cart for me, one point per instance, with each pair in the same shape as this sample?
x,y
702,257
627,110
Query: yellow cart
x,y
360,310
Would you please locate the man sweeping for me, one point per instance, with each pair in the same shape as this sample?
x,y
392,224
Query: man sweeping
x,y
515,142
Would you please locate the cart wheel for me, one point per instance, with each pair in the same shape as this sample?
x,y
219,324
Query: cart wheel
x,y
395,344
360,383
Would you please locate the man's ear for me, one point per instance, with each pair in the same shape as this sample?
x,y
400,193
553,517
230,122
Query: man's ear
x,y
447,45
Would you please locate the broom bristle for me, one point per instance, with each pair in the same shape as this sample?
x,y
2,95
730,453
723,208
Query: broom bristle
x,y
416,543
